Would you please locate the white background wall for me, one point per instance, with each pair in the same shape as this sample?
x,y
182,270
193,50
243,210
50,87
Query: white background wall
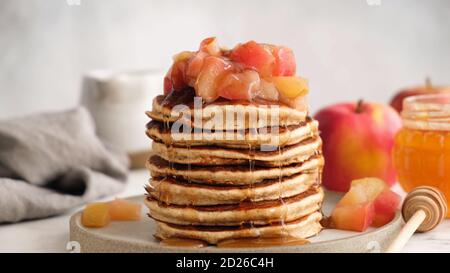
x,y
348,49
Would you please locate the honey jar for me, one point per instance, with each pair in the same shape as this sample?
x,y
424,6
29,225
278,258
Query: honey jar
x,y
422,147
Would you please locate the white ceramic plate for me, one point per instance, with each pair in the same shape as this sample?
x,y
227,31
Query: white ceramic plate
x,y
138,236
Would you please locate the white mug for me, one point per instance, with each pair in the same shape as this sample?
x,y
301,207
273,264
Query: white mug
x,y
117,102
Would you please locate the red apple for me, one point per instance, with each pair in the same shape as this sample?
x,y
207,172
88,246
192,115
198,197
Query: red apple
x,y
428,88
357,142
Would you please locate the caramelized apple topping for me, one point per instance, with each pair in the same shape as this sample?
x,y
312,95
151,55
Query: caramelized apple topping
x,y
248,71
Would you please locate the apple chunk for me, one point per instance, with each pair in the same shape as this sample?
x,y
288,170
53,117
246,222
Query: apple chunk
x,y
368,202
96,215
363,190
290,87
239,86
284,61
385,206
123,210
212,70
254,56
210,46
356,217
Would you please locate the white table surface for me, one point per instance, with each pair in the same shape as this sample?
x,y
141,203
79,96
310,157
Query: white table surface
x,y
52,234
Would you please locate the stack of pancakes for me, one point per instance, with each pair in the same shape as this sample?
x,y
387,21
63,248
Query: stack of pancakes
x,y
212,188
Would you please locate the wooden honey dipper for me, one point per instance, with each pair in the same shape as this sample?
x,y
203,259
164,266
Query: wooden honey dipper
x,y
423,209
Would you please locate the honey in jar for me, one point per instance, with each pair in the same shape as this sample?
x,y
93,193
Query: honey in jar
x,y
422,147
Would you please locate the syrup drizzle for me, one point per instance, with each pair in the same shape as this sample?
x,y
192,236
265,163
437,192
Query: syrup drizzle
x,y
285,230
249,193
182,242
237,243
189,166
280,195
167,101
262,242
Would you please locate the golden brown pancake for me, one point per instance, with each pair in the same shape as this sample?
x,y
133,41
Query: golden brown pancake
x,y
243,139
182,192
230,175
212,155
258,213
304,227
254,114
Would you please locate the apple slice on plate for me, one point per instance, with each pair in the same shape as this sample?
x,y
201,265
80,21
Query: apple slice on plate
x,y
356,217
368,202
385,206
96,215
123,210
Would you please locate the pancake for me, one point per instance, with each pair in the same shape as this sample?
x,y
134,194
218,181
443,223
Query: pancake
x,y
230,175
258,213
181,192
213,155
304,227
275,136
241,114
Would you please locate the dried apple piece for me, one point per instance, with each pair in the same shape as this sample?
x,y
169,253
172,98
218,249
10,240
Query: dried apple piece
x,y
123,210
96,215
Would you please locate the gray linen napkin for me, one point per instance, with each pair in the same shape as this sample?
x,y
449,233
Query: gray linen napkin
x,y
52,162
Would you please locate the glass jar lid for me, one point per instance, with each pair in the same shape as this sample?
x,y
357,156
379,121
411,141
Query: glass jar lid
x,y
427,112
